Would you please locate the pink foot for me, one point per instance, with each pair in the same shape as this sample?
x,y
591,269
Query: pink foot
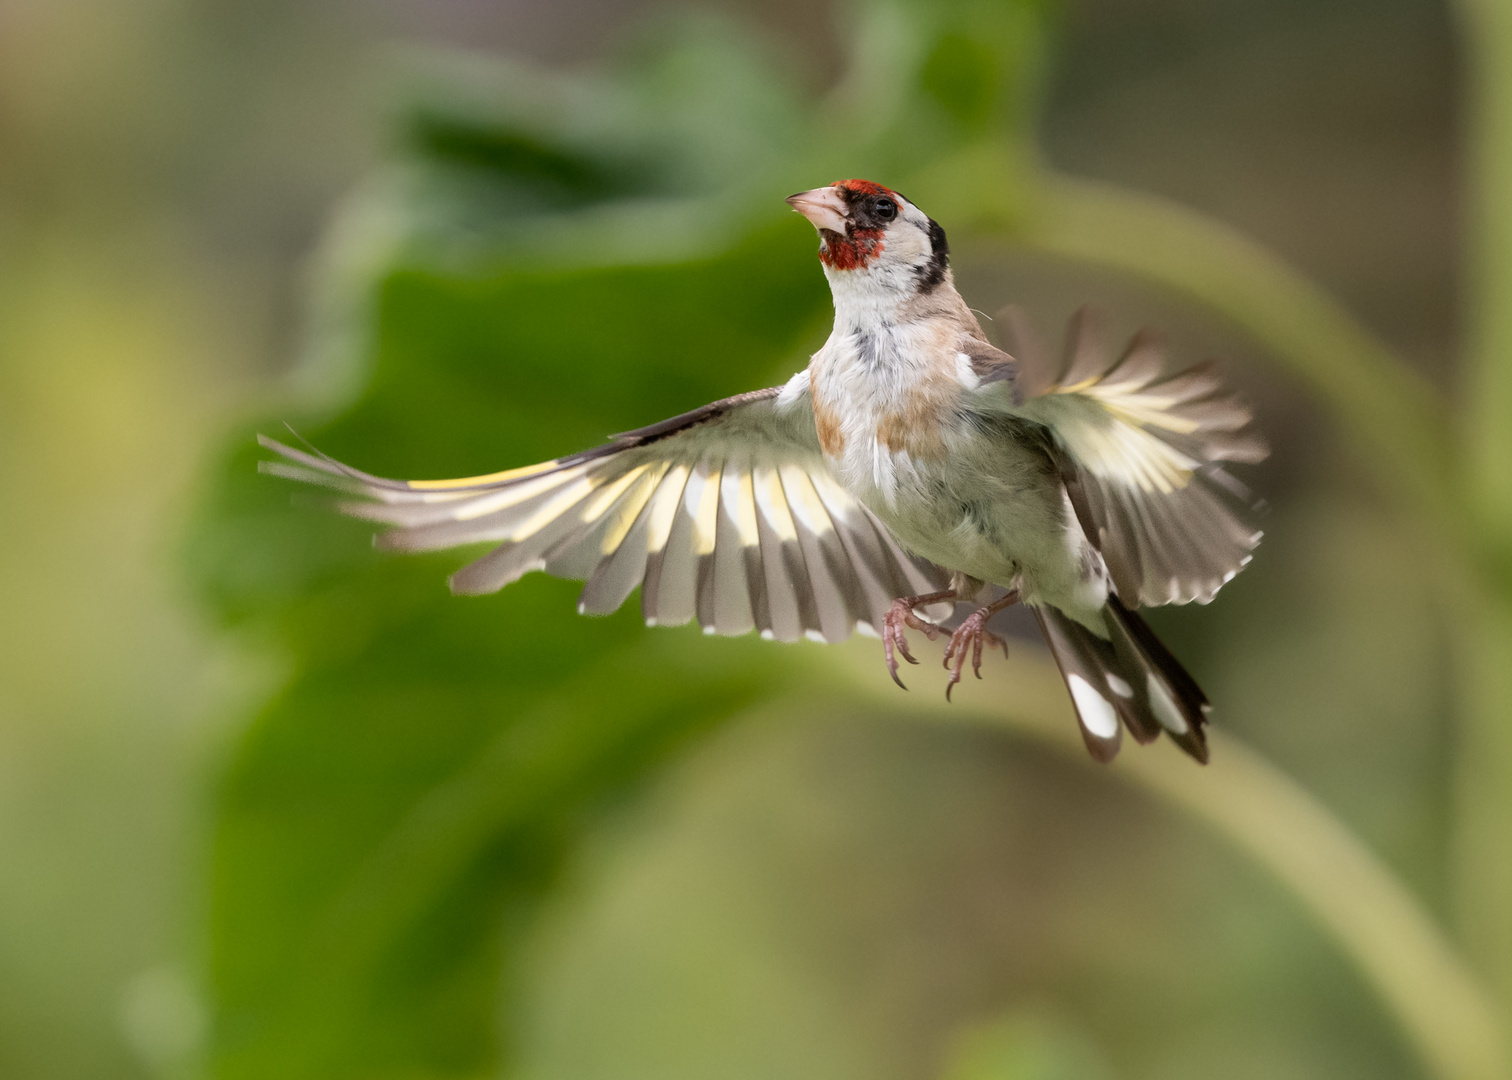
x,y
973,634
901,614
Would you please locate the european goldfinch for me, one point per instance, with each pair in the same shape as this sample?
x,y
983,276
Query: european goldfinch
x,y
910,467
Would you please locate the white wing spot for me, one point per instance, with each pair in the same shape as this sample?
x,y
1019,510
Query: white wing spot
x,y
630,510
738,492
664,508
773,503
604,499
804,502
554,508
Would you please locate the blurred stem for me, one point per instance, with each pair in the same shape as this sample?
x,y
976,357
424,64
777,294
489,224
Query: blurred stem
x,y
1449,1019
1392,414
1453,1022
1487,36
1456,493
1483,844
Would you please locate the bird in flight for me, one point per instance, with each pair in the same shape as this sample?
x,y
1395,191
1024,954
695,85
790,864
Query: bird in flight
x,y
910,468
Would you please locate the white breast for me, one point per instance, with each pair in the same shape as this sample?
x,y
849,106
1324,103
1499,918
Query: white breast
x,y
908,450
871,383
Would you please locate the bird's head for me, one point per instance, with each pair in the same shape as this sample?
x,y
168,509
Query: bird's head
x,y
868,229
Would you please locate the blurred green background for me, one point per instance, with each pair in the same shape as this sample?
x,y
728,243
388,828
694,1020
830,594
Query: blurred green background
x,y
274,805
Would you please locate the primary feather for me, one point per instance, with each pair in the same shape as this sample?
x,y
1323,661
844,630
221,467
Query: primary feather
x,y
1141,455
725,515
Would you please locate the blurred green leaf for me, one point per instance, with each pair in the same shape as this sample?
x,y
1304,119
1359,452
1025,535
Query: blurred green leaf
x,y
421,774
962,74
545,260
560,261
1024,1046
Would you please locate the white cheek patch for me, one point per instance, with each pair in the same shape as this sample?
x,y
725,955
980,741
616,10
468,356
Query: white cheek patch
x,y
910,247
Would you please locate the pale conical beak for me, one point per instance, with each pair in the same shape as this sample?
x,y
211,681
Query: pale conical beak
x,y
825,207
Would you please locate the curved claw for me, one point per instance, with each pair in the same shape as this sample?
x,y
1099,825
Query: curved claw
x,y
894,643
892,661
971,634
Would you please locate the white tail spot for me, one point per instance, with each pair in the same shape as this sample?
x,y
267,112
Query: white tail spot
x,y
1164,706
1097,714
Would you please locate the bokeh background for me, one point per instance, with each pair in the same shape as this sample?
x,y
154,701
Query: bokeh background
x,y
274,805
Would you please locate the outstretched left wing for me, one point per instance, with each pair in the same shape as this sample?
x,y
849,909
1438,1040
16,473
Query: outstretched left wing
x,y
1142,454
725,514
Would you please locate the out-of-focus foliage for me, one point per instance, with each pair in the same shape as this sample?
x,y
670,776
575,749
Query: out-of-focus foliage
x,y
843,881
541,260
544,261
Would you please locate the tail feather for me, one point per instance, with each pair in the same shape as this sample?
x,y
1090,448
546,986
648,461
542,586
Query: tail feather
x,y
1085,663
1130,678
1170,695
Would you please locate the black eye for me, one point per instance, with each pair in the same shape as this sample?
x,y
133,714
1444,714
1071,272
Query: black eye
x,y
885,209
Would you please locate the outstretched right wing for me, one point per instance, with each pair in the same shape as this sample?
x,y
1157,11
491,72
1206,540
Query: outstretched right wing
x,y
726,514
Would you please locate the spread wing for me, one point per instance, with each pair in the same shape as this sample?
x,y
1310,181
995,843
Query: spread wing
x,y
1141,455
725,514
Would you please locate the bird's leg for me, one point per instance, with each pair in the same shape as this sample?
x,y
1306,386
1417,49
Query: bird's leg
x,y
902,614
973,634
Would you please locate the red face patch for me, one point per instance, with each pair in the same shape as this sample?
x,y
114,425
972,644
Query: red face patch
x,y
862,246
865,187
849,252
